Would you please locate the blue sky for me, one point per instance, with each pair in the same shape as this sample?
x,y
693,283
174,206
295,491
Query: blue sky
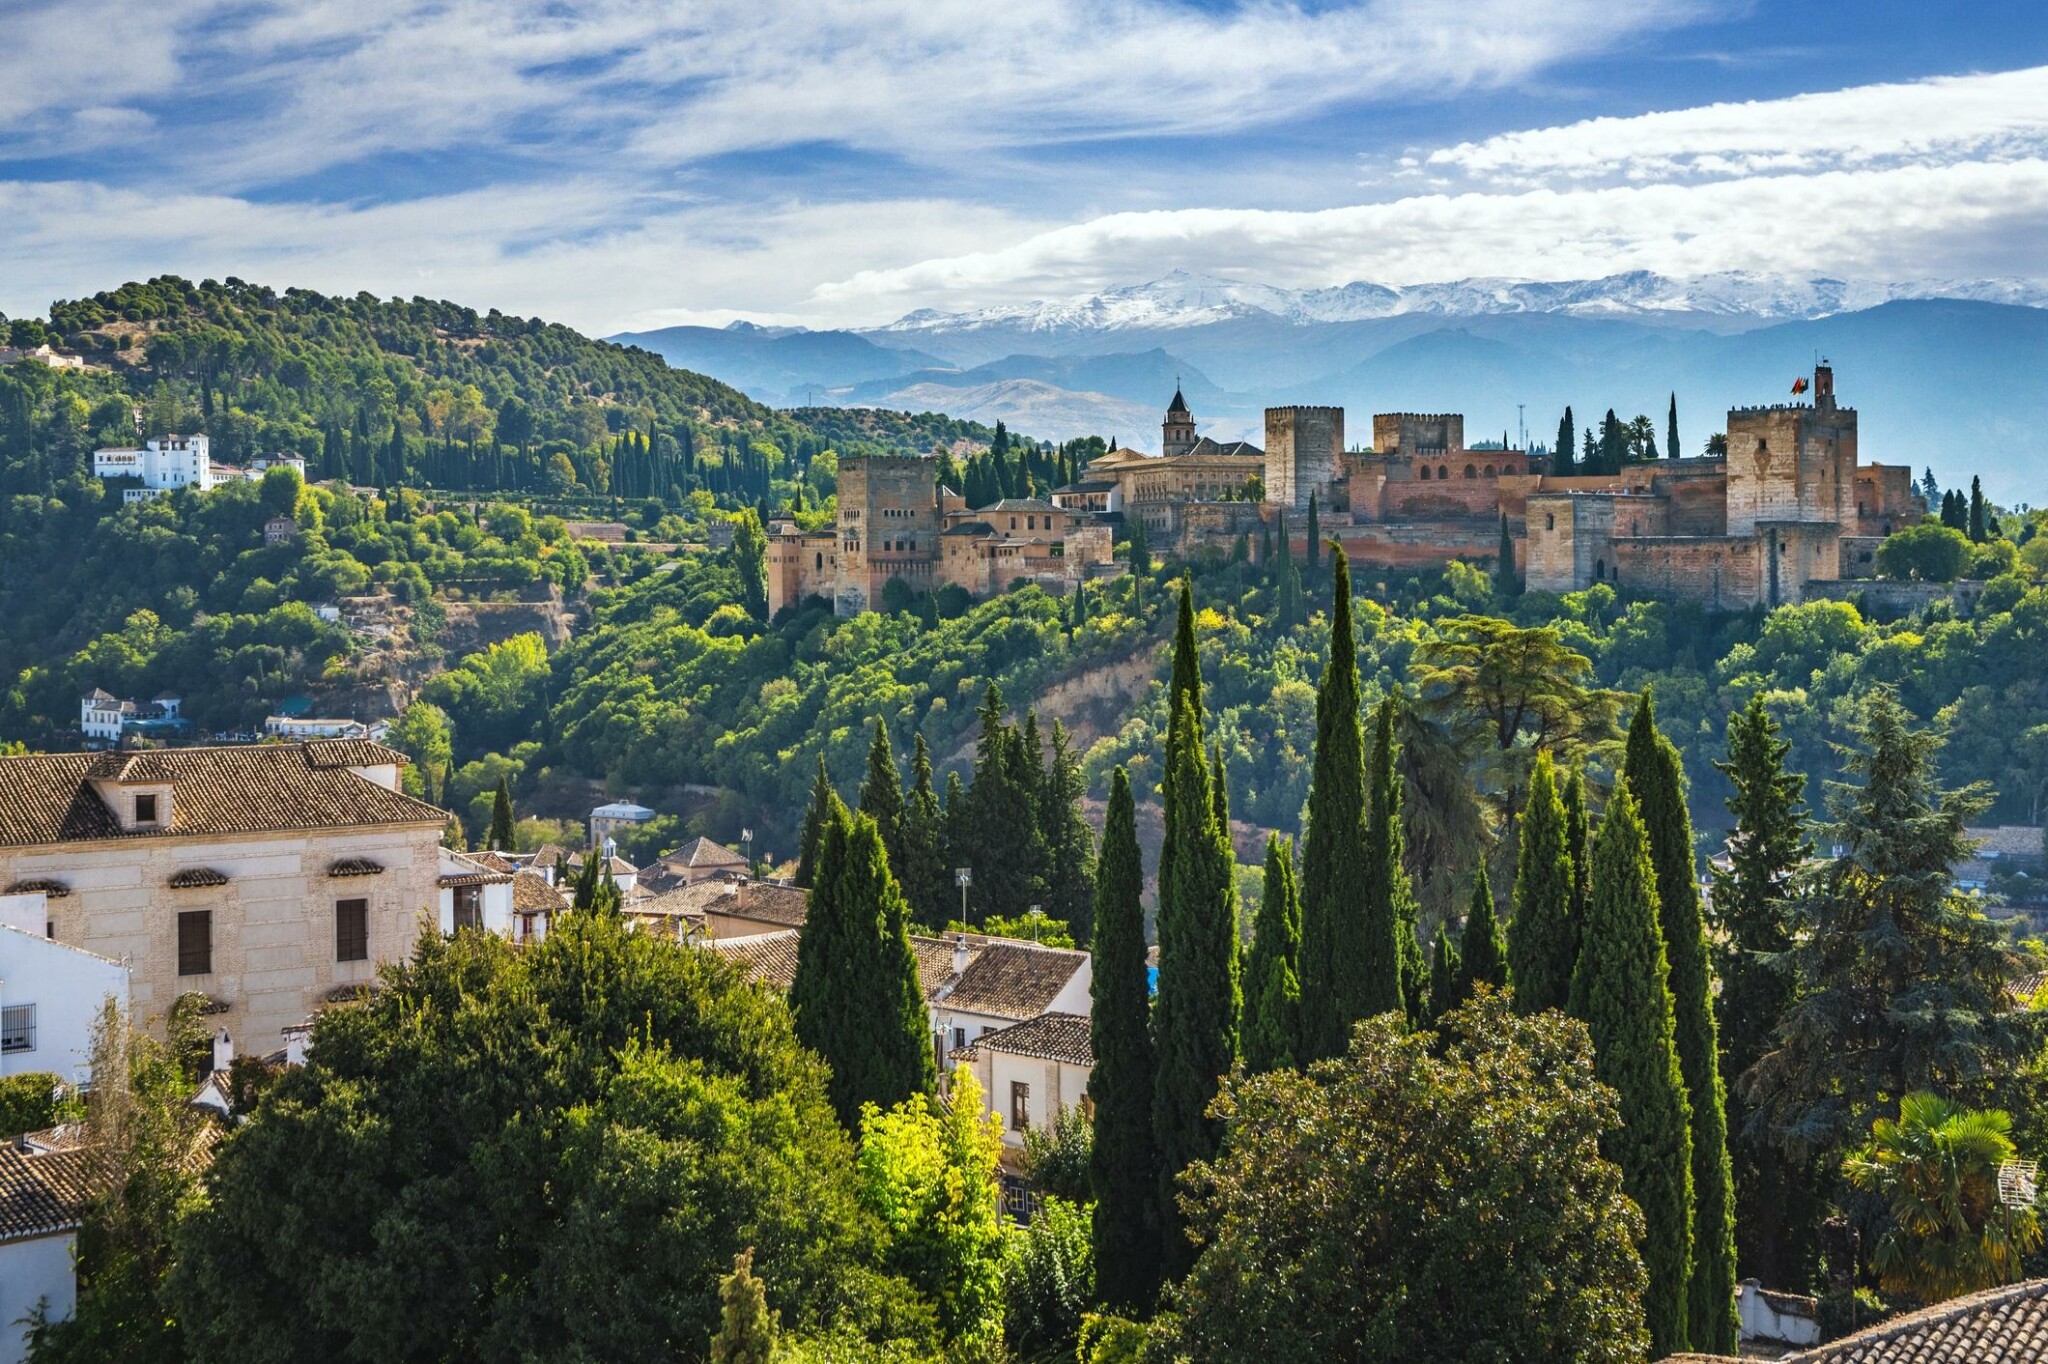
x,y
616,163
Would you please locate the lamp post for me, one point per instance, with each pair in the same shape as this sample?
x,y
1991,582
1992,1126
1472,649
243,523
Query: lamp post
x,y
963,877
747,838
1034,916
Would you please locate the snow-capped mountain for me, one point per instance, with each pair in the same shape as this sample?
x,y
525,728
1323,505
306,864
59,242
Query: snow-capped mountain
x,y
1182,299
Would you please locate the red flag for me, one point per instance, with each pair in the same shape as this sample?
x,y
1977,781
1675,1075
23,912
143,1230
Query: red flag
x,y
1799,385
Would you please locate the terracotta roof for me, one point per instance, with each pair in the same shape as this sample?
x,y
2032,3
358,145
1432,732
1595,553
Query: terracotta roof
x,y
191,878
2000,1324
493,861
55,890
702,852
548,855
768,902
47,797
352,753
531,894
2007,840
42,1192
1050,1037
355,866
1014,980
769,958
1019,504
934,963
969,528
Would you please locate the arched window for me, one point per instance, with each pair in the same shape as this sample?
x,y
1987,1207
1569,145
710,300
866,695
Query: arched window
x,y
1471,471
1599,570
821,563
1423,473
1491,472
1443,471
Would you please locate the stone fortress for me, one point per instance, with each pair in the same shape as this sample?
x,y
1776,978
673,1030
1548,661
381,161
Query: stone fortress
x,y
1788,508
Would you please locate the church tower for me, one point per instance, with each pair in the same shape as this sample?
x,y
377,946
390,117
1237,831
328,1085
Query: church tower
x,y
1177,432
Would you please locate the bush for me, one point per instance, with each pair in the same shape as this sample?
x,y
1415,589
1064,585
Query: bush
x,y
1842,1313
29,1102
1048,1280
1058,1161
1930,552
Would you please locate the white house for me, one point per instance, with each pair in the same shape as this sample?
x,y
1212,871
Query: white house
x,y
1033,1071
42,1202
297,727
475,895
997,982
163,463
105,717
50,993
263,464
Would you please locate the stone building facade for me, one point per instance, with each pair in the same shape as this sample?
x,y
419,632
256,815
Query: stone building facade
x,y
267,878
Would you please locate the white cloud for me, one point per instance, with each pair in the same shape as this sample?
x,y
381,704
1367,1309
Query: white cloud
x,y
2000,116
1969,219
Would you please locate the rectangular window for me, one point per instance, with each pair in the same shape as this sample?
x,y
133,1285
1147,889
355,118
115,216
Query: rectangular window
x,y
195,942
18,1028
352,930
145,809
1020,1105
469,907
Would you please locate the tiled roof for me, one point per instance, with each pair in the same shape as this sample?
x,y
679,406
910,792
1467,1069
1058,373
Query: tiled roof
x,y
1050,1037
355,866
769,958
934,962
352,753
2007,840
191,878
55,890
548,855
702,852
1020,504
1014,980
531,894
767,902
47,797
969,528
493,861
1998,1326
42,1192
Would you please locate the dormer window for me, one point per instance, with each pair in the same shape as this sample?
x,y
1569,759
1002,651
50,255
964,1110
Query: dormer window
x,y
145,809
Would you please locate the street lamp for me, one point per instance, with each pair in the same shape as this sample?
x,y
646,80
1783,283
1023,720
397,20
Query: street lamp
x,y
747,837
1034,916
963,877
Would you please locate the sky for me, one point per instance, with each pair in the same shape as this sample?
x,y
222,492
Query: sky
x,y
619,164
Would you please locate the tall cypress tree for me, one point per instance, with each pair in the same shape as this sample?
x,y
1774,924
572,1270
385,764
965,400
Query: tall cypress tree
x,y
927,880
1507,584
881,797
1123,1163
822,796
1184,681
1482,952
1070,842
1543,937
1332,957
1444,969
1980,518
1777,1201
1314,549
1195,1021
1564,459
855,993
1391,979
1272,991
1671,450
1656,778
1578,842
500,838
1620,992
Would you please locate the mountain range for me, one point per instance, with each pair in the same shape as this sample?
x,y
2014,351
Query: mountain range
x,y
1944,373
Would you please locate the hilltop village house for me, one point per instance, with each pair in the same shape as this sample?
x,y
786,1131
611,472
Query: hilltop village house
x,y
1788,507
269,878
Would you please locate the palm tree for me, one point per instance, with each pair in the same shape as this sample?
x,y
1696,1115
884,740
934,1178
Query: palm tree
x,y
1937,1166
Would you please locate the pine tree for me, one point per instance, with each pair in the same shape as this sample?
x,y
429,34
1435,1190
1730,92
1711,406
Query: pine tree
x,y
1123,1163
1391,979
927,879
605,896
1507,584
1619,991
1482,952
1671,450
1332,958
1070,842
1444,969
855,993
1777,1204
881,796
822,797
1195,1021
1543,938
1656,778
746,1328
999,834
500,837
1272,991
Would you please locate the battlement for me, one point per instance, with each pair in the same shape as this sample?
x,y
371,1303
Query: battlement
x,y
1785,407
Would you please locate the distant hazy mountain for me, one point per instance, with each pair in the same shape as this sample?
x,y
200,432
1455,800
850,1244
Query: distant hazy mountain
x,y
1952,374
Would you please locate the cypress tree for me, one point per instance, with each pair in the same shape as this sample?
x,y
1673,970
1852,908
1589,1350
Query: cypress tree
x,y
1619,991
746,1328
1543,938
1563,460
1444,969
1389,919
1070,842
1671,450
822,796
1656,778
1507,584
1980,520
1122,1162
1482,953
1315,548
1272,994
1777,1203
856,995
1332,957
881,797
1578,842
500,838
1195,1021
605,896
927,880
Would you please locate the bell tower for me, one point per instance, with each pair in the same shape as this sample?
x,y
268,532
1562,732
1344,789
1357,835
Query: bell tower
x,y
1177,432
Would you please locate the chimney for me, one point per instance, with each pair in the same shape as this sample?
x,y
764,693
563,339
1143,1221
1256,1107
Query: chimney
x,y
959,954
223,1050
